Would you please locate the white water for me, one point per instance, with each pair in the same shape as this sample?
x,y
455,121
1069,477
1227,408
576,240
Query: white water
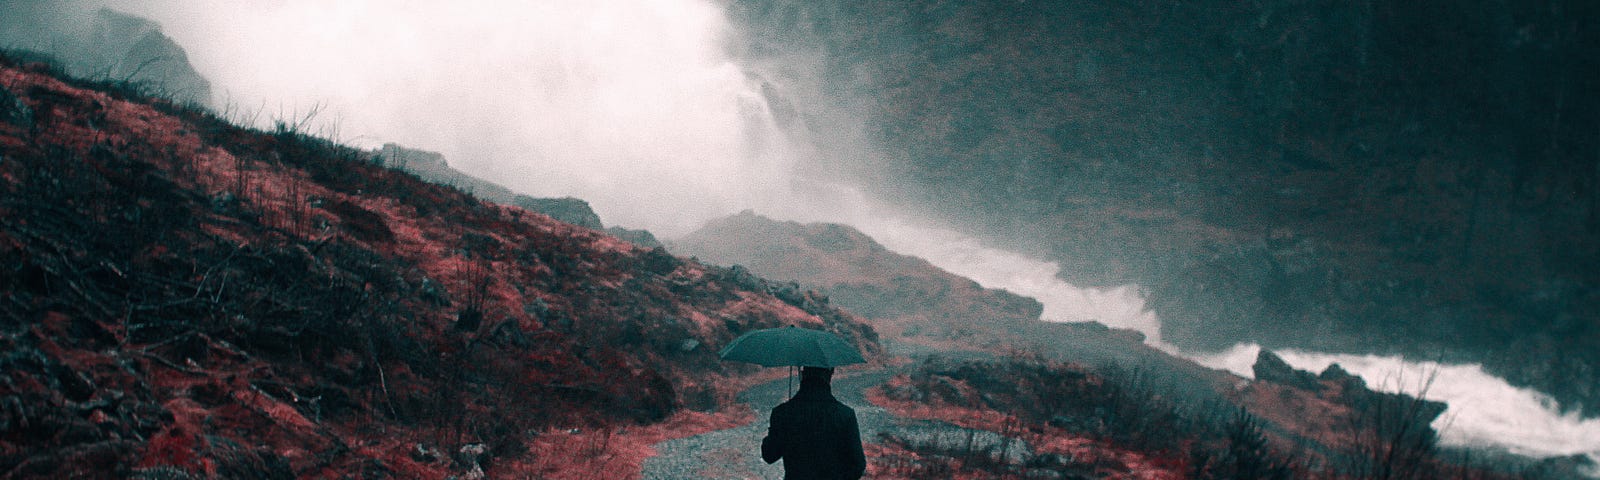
x,y
1484,410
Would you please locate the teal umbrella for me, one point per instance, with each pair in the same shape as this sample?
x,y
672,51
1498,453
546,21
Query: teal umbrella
x,y
792,347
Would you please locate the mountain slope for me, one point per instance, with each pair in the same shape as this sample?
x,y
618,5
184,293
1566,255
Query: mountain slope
x,y
859,274
182,297
910,300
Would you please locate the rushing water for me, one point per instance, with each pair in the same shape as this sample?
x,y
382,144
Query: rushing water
x,y
1484,410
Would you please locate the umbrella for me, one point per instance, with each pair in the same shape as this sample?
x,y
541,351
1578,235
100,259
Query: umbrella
x,y
791,347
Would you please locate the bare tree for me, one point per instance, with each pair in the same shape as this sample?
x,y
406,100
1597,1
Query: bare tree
x,y
1396,440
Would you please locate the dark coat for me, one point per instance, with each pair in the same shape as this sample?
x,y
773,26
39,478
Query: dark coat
x,y
816,436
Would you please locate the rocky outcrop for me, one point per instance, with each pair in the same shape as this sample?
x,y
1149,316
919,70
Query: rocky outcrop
x,y
861,275
642,238
106,45
136,50
567,209
433,167
1340,386
1269,367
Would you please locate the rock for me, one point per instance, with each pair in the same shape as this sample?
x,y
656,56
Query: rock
x,y
411,159
567,209
423,454
106,45
432,167
1337,374
1270,367
471,455
151,57
641,238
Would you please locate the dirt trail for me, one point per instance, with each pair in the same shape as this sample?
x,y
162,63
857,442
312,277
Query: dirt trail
x,y
736,453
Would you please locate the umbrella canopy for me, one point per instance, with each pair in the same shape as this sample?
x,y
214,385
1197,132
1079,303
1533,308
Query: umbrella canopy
x,y
790,346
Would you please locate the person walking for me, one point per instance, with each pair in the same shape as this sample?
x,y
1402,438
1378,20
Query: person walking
x,y
814,434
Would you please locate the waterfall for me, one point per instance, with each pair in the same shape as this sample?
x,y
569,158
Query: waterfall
x,y
1484,410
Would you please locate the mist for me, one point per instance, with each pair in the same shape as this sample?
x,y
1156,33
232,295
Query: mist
x,y
636,106
639,108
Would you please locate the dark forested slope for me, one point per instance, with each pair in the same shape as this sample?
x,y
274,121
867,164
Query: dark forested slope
x,y
1416,177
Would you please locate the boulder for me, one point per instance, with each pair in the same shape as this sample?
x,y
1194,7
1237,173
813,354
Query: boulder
x,y
641,238
567,209
1271,368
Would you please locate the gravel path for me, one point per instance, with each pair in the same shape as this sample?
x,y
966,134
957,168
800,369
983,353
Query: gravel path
x,y
736,453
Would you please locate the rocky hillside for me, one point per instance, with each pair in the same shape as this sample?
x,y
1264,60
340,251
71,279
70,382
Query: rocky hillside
x,y
908,299
433,167
182,298
859,274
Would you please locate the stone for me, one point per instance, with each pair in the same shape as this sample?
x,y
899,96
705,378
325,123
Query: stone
x,y
1269,367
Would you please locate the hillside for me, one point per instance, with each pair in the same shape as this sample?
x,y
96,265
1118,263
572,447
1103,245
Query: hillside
x,y
186,298
859,274
908,299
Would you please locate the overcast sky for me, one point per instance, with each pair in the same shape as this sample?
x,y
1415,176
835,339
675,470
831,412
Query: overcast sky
x,y
633,105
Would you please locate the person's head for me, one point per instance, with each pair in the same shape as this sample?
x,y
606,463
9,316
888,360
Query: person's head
x,y
815,375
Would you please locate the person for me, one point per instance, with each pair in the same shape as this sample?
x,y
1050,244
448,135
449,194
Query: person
x,y
814,434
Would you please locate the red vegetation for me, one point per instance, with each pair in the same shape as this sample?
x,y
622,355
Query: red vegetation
x,y
931,396
184,296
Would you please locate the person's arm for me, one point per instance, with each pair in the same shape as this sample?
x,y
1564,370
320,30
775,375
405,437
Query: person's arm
x,y
855,459
772,446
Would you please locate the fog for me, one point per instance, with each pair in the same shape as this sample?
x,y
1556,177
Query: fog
x,y
638,107
635,106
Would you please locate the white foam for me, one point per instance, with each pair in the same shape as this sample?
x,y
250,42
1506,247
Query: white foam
x,y
1117,307
1484,410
